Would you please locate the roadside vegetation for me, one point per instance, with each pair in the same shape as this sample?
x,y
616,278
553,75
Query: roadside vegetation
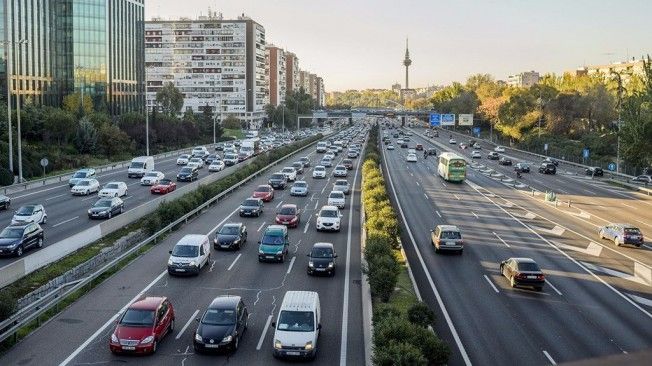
x,y
402,332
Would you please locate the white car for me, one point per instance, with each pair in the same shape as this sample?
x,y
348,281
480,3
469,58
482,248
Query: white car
x,y
329,218
85,187
151,178
193,165
452,141
81,174
411,158
326,162
319,172
337,199
476,155
30,213
340,171
390,147
499,149
216,166
198,161
113,189
477,146
412,151
183,159
290,173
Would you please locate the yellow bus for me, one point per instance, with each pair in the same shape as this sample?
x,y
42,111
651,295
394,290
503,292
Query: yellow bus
x,y
452,167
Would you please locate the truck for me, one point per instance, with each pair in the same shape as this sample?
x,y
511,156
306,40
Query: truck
x,y
250,147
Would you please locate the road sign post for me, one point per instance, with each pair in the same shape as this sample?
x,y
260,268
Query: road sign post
x,y
44,163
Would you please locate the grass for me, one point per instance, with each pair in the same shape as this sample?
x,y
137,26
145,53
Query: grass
x,y
238,134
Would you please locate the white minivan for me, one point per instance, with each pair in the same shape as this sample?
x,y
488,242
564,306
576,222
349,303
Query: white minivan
x,y
297,326
189,255
140,165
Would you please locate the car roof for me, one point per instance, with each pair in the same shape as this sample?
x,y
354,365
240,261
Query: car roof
x,y
628,226
329,207
276,229
148,303
323,245
299,300
300,181
233,224
224,301
192,239
289,205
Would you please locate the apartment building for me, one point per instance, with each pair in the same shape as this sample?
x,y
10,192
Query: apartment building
x,y
275,63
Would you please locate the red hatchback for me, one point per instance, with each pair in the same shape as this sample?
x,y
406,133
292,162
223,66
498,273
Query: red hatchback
x,y
288,215
142,326
164,186
265,192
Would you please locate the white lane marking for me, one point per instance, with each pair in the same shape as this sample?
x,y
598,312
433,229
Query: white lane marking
x,y
323,189
456,196
261,226
316,203
557,230
630,206
589,191
65,221
212,266
640,300
291,265
501,239
476,216
642,274
233,263
279,204
418,184
426,196
438,214
594,249
491,284
444,184
545,353
223,221
305,228
538,181
647,246
41,191
53,197
553,287
192,317
112,320
134,183
644,223
262,336
440,302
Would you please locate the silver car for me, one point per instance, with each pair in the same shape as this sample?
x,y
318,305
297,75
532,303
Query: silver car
x,y
341,185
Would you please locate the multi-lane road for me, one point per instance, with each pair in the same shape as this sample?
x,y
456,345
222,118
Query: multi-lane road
x,y
80,334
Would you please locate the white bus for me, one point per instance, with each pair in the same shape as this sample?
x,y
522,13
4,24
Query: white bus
x,y
451,167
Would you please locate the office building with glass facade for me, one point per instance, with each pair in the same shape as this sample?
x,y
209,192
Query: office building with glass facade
x,y
60,47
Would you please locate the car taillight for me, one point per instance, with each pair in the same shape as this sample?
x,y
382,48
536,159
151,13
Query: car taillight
x,y
520,275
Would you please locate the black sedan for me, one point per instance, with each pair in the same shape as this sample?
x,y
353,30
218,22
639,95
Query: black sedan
x,y
251,207
522,168
321,259
278,181
187,174
5,201
523,272
105,208
222,325
14,240
505,161
230,236
594,171
432,151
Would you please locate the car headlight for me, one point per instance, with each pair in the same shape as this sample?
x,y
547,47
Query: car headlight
x,y
311,264
260,252
278,344
308,346
254,210
236,241
114,338
192,263
148,339
198,338
227,339
331,264
280,252
89,212
170,262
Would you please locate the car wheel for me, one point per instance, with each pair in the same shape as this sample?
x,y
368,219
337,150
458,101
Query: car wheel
x,y
115,195
236,343
19,251
45,219
121,208
616,241
601,236
39,244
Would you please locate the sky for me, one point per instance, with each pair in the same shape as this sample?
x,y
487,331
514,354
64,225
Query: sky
x,y
360,44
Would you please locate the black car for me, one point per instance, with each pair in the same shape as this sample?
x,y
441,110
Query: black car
x,y
219,147
522,272
298,166
230,236
522,168
251,207
548,168
278,181
5,202
211,157
187,174
404,144
105,208
15,239
222,325
594,171
505,161
550,160
321,259
432,151
305,160
493,155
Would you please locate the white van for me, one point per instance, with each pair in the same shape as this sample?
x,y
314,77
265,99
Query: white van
x,y
140,166
189,255
322,146
297,326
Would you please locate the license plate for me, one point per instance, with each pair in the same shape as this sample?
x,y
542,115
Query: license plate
x,y
450,243
211,345
320,269
292,353
224,245
532,277
269,256
129,348
180,270
285,222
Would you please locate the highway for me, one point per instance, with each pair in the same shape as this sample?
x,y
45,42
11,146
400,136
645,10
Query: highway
x,y
79,335
597,299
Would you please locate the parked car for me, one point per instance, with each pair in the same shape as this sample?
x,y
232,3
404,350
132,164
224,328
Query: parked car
x,y
274,244
622,234
547,168
265,192
230,236
187,174
251,207
522,168
152,178
321,259
288,214
85,187
106,208
222,325
15,239
447,238
522,272
79,175
164,186
114,189
29,213
142,326
594,171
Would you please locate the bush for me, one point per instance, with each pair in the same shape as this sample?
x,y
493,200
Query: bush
x,y
394,330
6,177
398,354
383,311
420,314
382,274
8,303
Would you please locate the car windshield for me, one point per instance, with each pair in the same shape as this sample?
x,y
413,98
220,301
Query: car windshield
x,y
165,182
219,317
138,318
79,175
277,176
319,168
84,183
151,174
288,170
186,170
328,213
103,203
111,186
262,189
336,195
450,235
231,156
343,184
250,203
12,233
321,253
287,211
189,251
528,266
137,165
300,184
632,231
296,321
184,156
25,211
229,230
273,240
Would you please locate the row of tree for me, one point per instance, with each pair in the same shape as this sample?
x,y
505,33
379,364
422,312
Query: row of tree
x,y
296,103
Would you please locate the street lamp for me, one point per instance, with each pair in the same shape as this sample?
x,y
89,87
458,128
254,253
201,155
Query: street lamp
x,y
18,92
146,115
217,107
7,45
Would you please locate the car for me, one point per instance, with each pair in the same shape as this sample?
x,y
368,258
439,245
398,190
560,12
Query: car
x,y
15,239
522,168
189,255
278,180
230,159
340,171
404,144
198,161
412,151
216,166
477,146
290,173
476,155
251,207
328,219
299,188
447,238
164,186
305,160
523,272
352,154
499,148
274,244
194,165
548,168
646,179
505,161
321,259
419,147
594,171
29,213
152,178
85,187
219,147
411,158
187,174
463,146
342,185
622,234
230,236
298,167
222,325
326,162
551,160
106,208
141,327
5,202
288,214
113,189
337,199
390,147
211,158
79,175
435,134
183,159
432,151
348,163
298,326
319,172
493,155
200,152
265,192
399,142
452,141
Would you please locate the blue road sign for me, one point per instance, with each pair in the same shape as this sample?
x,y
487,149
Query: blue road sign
x,y
585,153
476,131
611,167
448,120
435,119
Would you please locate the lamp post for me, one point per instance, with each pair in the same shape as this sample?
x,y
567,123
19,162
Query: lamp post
x,y
18,92
8,45
146,115
218,107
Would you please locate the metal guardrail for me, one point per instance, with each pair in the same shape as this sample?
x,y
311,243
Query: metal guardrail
x,y
32,312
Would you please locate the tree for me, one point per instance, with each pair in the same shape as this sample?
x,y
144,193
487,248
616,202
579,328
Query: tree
x,y
232,122
112,141
170,99
59,126
421,315
73,103
86,137
636,131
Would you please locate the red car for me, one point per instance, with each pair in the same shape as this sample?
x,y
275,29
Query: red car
x,y
265,192
288,215
164,186
348,163
142,326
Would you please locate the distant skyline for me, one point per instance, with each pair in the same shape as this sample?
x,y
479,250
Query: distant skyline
x,y
356,44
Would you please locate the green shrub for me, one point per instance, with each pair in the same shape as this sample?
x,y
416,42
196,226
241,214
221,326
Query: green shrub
x,y
420,314
398,354
6,177
8,303
382,274
396,330
383,311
